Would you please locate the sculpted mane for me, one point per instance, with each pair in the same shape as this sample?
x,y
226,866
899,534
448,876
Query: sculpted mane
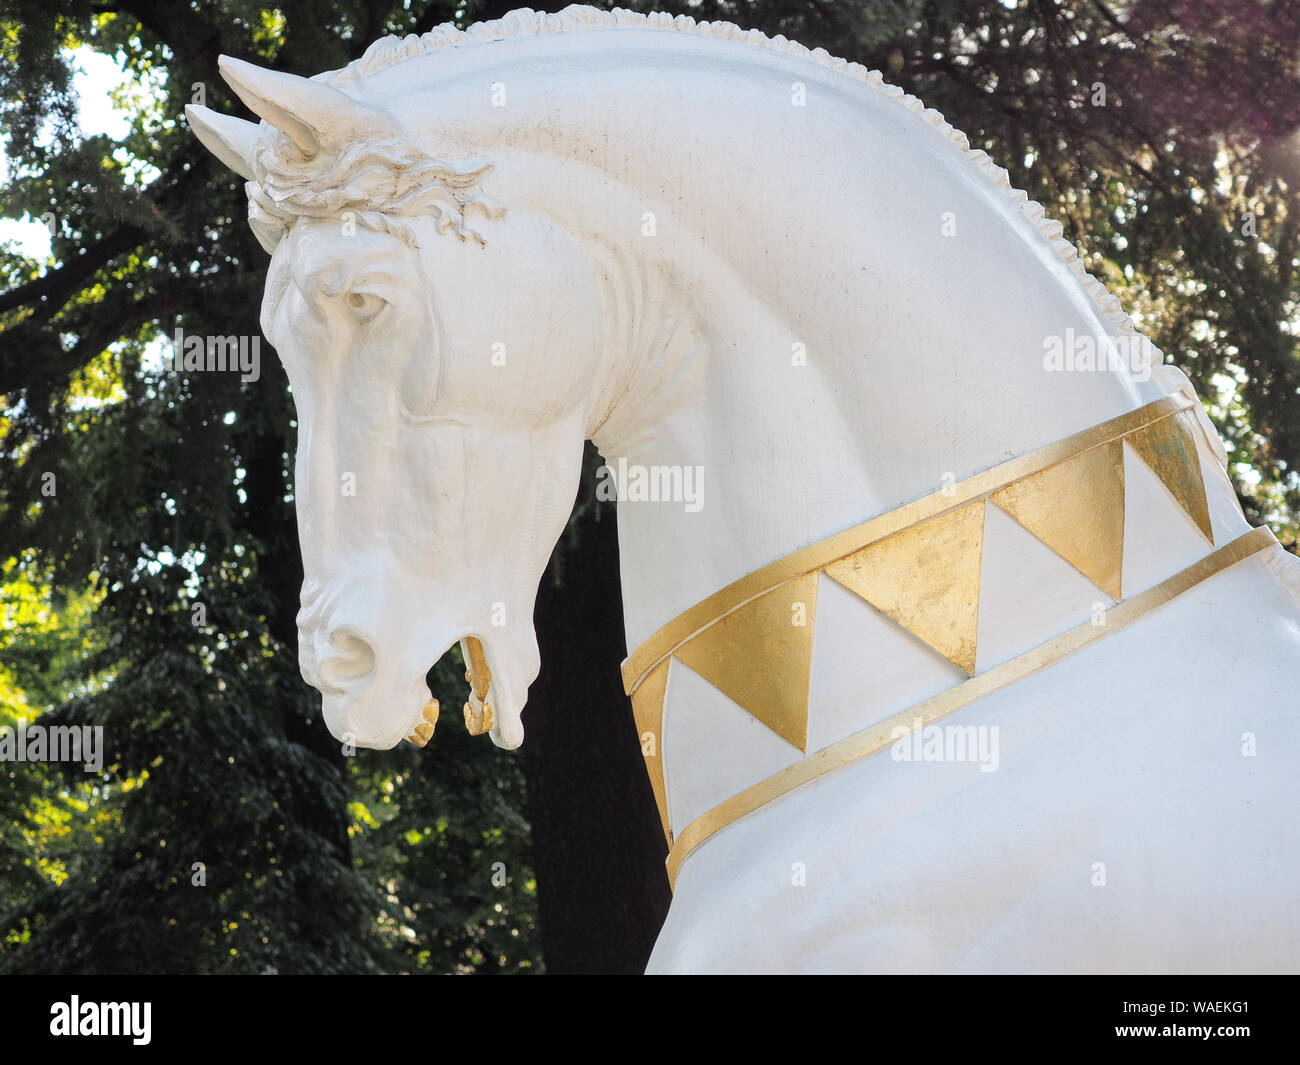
x,y
389,51
379,181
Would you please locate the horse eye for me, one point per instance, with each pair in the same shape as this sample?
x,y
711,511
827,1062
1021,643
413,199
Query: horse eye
x,y
365,305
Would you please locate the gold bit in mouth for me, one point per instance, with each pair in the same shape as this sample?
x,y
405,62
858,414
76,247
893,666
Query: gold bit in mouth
x,y
480,721
476,667
478,711
424,730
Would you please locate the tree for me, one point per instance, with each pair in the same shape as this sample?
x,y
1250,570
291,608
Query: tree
x,y
1163,135
227,831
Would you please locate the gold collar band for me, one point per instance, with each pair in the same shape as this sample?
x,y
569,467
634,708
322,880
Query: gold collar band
x,y
806,560
920,566
874,738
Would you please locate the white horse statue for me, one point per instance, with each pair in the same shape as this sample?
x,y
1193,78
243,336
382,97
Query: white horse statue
x,y
954,651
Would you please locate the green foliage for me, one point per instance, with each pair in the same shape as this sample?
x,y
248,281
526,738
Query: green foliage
x,y
153,582
174,492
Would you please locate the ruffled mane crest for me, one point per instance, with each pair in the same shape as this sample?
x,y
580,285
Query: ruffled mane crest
x,y
376,184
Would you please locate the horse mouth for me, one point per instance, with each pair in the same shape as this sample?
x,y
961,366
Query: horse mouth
x,y
376,700
479,715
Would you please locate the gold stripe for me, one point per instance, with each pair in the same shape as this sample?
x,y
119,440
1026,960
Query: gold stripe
x,y
815,556
872,739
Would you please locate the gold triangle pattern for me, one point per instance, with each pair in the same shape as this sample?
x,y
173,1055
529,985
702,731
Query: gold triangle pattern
x,y
927,579
1169,448
1077,509
760,657
648,713
922,569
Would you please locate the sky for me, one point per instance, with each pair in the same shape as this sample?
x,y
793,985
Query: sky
x,y
97,76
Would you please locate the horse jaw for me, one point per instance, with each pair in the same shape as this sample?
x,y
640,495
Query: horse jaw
x,y
389,706
436,563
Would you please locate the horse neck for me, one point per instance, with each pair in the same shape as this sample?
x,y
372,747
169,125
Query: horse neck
x,y
828,358
789,431
808,414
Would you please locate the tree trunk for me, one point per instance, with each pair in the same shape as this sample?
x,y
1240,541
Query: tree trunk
x,y
598,847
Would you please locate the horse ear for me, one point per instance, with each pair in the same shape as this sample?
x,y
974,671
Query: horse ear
x,y
230,139
311,114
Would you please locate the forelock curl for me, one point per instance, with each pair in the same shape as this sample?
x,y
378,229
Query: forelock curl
x,y
379,182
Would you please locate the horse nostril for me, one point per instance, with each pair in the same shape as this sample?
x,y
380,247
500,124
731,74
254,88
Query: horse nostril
x,y
348,659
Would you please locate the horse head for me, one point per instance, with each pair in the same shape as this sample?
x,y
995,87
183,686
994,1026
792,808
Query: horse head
x,y
429,495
